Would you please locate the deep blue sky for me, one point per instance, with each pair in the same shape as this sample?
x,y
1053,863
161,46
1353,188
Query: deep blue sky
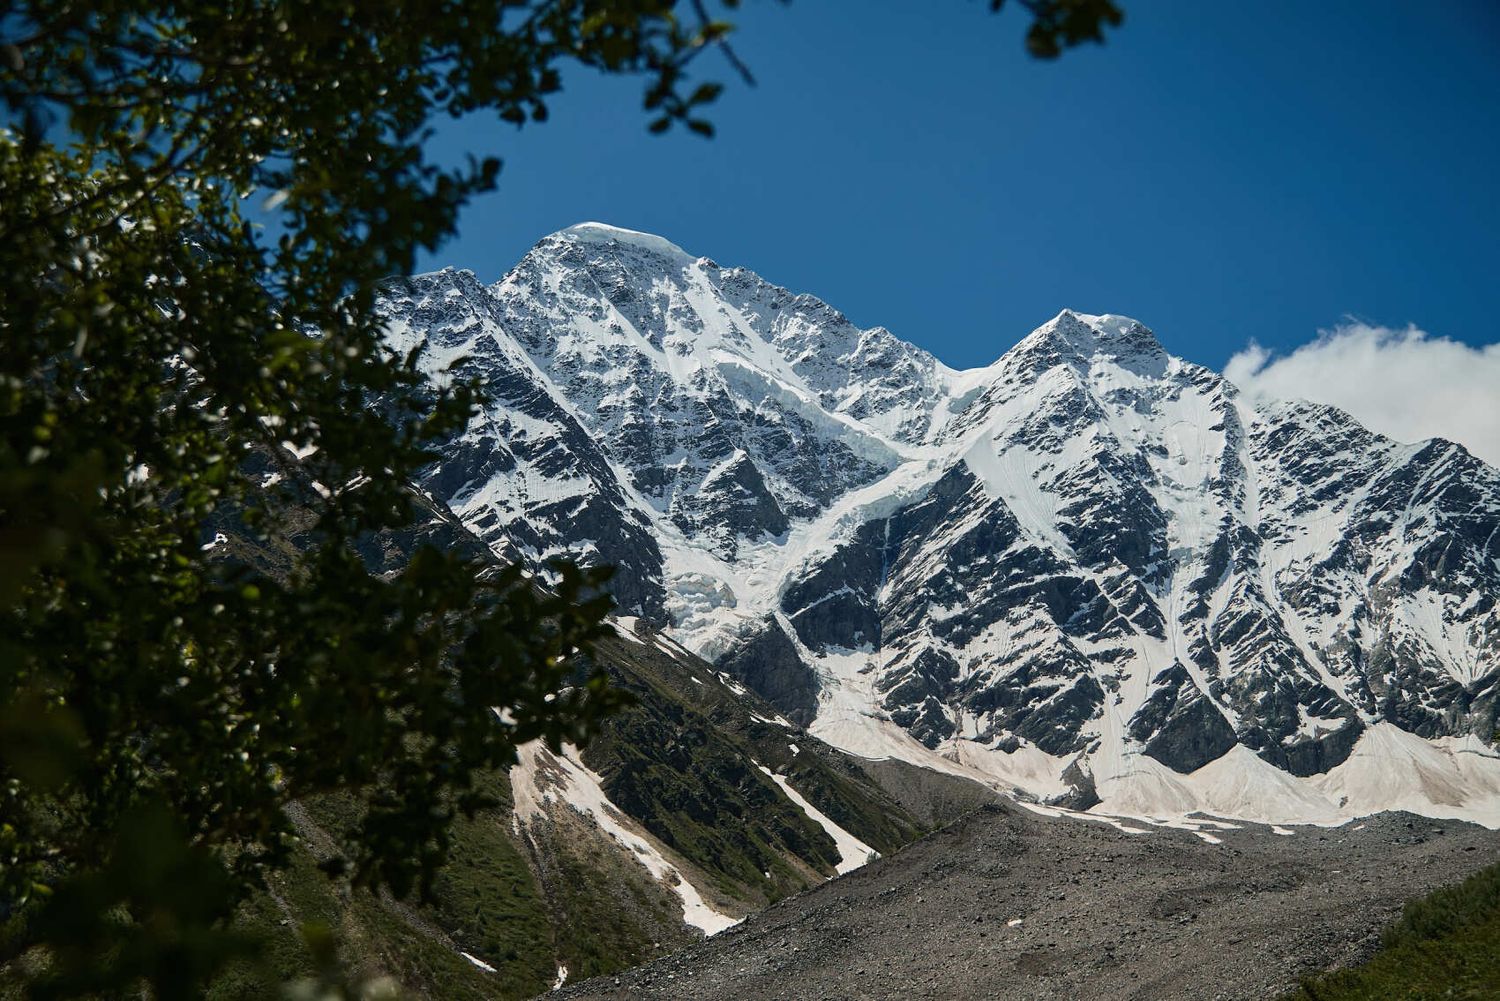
x,y
1222,172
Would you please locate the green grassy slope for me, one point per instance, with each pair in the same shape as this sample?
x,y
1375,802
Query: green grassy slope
x,y
523,902
486,903
1444,946
526,899
685,762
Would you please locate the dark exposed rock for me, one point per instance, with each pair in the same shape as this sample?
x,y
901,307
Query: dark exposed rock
x,y
732,503
1083,794
769,664
844,619
1178,725
927,720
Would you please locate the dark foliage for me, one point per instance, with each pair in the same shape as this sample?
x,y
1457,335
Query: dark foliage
x,y
201,431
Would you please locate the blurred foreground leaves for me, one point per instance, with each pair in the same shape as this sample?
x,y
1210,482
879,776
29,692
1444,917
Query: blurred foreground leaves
x,y
202,431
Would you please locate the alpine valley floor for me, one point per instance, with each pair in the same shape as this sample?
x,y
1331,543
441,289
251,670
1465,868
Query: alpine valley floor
x,y
1012,903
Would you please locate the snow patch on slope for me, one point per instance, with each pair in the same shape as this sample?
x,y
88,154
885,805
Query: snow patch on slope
x,y
853,852
541,779
1391,769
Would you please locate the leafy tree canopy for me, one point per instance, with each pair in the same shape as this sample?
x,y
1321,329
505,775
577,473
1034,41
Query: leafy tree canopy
x,y
219,592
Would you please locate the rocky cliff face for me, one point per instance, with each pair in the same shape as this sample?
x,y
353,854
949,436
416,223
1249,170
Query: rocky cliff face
x,y
1089,570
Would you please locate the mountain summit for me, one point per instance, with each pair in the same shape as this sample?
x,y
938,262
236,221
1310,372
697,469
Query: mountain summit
x,y
1091,571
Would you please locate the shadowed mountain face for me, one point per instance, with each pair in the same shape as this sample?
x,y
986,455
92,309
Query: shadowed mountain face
x,y
1090,570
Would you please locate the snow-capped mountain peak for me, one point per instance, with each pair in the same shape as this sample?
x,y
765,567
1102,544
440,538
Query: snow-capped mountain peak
x,y
599,233
1090,570
1086,341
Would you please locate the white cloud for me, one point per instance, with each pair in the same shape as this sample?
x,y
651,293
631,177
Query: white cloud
x,y
1406,384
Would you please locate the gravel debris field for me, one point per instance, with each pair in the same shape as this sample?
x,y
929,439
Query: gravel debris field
x,y
1006,903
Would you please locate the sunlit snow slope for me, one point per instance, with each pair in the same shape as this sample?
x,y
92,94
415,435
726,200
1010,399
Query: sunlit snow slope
x,y
1091,571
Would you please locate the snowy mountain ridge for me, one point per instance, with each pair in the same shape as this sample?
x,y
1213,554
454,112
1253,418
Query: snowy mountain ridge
x,y
1091,571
